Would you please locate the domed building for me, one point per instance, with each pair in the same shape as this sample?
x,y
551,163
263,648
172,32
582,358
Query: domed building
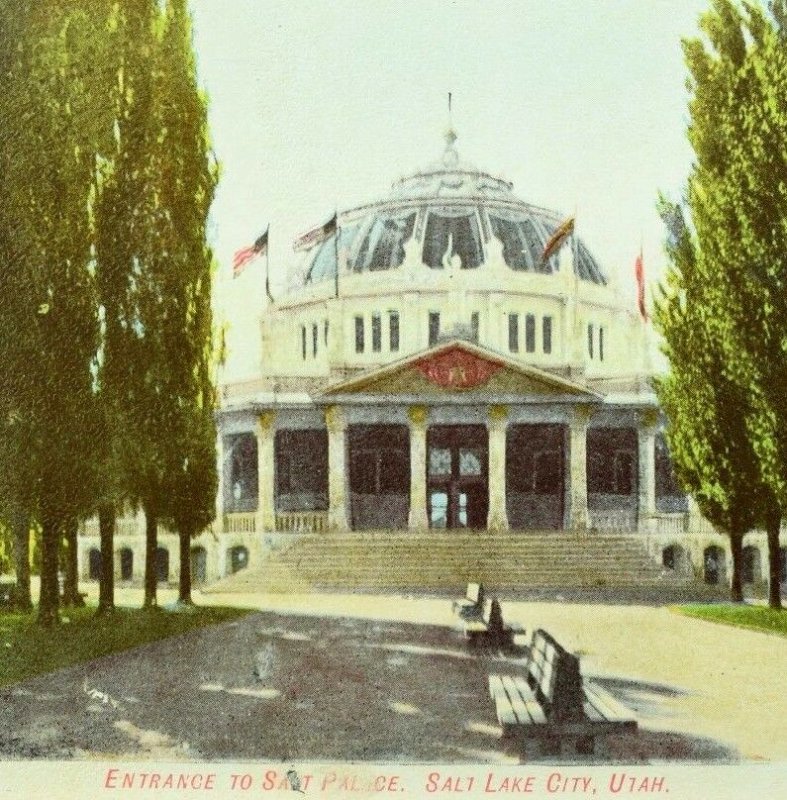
x,y
449,357
442,362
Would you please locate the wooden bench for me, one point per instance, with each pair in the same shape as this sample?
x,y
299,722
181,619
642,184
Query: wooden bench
x,y
472,604
553,705
488,629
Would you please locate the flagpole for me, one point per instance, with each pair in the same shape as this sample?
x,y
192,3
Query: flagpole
x,y
268,264
336,250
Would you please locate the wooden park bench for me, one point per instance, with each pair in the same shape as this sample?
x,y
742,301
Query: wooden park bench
x,y
472,604
488,628
553,705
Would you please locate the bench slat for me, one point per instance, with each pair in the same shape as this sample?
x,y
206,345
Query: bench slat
x,y
608,706
503,708
533,707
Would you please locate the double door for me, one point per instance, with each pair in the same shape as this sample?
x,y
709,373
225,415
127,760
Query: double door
x,y
457,476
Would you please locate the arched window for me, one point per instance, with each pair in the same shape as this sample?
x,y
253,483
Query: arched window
x,y
450,233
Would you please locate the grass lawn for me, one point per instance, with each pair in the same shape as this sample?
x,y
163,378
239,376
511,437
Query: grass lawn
x,y
27,649
759,618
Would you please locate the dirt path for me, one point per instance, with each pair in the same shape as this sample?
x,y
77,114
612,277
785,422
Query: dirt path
x,y
388,679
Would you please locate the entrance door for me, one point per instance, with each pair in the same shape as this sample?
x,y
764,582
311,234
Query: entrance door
x,y
457,476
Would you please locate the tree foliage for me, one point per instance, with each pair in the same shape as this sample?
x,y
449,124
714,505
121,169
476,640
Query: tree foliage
x,y
105,321
725,313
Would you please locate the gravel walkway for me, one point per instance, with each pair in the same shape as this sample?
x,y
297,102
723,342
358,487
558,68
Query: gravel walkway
x,y
327,677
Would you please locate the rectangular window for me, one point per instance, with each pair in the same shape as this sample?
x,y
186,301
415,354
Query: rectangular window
x,y
474,323
377,333
590,341
359,342
546,334
303,342
393,331
530,333
513,333
600,344
315,338
325,333
434,327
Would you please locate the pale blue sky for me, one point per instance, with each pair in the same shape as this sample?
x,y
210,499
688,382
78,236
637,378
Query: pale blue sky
x,y
581,103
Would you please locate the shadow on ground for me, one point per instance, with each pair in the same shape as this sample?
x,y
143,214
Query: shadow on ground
x,y
287,687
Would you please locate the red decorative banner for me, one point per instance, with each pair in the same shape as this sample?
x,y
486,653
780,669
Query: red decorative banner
x,y
456,369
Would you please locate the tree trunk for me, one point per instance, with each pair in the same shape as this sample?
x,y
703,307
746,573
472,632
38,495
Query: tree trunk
x,y
736,587
71,596
23,600
772,526
49,598
184,586
106,586
151,571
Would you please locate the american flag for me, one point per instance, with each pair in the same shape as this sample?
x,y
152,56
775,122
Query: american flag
x,y
315,235
246,255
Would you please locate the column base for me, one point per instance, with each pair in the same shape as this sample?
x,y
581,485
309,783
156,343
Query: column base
x,y
417,520
497,524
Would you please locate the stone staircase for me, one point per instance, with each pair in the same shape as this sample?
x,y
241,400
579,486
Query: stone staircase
x,y
436,561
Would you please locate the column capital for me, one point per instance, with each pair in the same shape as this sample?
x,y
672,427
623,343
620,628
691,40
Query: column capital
x,y
581,415
266,420
418,415
498,414
334,419
649,418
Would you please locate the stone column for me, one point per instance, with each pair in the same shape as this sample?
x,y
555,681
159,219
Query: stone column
x,y
337,501
497,519
418,519
266,509
646,471
578,477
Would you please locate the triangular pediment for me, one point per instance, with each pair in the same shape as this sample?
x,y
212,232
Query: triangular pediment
x,y
460,367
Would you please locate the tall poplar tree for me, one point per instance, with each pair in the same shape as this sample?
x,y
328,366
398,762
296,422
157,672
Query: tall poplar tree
x,y
58,133
711,450
187,185
737,196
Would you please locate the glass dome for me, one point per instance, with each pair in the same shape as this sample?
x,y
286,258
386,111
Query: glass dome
x,y
451,214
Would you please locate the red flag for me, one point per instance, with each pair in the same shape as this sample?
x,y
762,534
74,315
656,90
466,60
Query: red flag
x,y
639,272
246,255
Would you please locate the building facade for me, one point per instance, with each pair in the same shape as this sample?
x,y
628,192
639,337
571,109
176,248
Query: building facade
x,y
442,362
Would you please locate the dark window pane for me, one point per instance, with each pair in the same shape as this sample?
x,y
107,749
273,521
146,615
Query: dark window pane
x,y
452,234
600,344
383,246
474,323
434,327
546,334
393,330
302,461
325,333
303,342
377,333
315,338
513,333
522,245
394,471
548,473
530,333
359,342
590,341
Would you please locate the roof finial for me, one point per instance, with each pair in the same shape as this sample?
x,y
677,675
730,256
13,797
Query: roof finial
x,y
450,156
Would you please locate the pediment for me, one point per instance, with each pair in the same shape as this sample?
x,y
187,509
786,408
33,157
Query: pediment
x,y
459,367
